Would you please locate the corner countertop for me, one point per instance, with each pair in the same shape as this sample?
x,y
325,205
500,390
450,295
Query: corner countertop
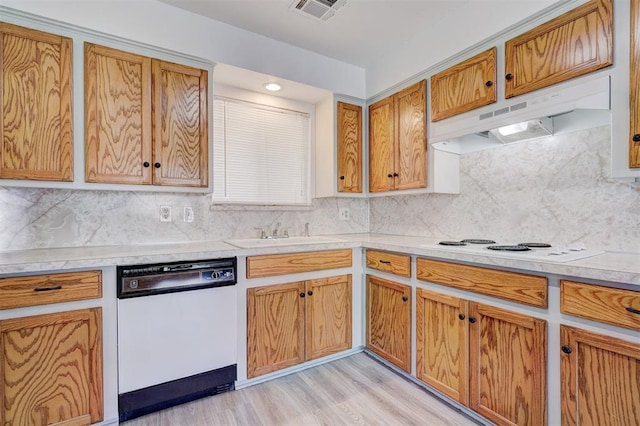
x,y
610,266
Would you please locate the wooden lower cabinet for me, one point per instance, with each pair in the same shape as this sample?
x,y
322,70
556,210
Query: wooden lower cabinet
x,y
52,369
328,325
600,379
490,359
288,324
442,343
508,366
389,321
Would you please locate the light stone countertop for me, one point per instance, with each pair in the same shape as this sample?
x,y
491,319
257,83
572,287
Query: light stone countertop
x,y
611,266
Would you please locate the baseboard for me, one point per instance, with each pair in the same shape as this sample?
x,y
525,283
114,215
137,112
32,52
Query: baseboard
x,y
108,422
300,367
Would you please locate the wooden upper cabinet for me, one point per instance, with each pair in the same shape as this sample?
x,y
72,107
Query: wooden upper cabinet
x,y
117,116
349,148
52,369
381,146
36,111
600,382
465,86
389,321
508,366
146,120
398,141
411,135
180,124
634,86
575,43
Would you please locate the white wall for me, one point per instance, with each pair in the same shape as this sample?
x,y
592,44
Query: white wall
x,y
464,24
164,26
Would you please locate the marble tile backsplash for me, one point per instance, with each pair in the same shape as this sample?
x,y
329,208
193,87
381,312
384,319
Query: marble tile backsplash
x,y
554,190
43,218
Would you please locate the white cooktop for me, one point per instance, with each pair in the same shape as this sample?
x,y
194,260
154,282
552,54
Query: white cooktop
x,y
556,253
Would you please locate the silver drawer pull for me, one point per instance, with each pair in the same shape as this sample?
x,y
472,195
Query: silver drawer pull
x,y
58,287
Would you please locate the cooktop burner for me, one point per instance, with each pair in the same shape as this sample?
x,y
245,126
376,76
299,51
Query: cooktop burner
x,y
476,241
509,248
452,243
535,245
546,252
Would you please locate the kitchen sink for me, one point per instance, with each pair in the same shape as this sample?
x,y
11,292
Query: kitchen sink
x,y
276,242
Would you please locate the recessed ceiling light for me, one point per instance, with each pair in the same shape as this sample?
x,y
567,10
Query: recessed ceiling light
x,y
272,87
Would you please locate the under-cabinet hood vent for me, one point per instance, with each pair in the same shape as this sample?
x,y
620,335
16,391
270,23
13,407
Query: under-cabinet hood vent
x,y
318,9
561,109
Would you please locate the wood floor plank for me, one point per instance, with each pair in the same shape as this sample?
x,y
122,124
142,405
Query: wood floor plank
x,y
356,390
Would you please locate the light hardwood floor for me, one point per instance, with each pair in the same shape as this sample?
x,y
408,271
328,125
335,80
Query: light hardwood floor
x,y
356,390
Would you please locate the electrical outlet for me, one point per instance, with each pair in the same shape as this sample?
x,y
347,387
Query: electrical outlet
x,y
344,213
165,213
187,214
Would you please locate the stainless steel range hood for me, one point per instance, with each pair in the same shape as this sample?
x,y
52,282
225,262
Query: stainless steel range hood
x,y
556,110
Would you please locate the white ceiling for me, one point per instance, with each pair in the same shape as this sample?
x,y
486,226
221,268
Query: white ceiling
x,y
375,34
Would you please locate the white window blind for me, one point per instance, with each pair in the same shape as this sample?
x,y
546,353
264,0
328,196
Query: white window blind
x,y
260,154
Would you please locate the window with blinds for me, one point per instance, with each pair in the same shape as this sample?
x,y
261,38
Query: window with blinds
x,y
260,154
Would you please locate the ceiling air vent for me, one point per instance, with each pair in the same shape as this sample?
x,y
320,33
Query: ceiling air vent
x,y
318,9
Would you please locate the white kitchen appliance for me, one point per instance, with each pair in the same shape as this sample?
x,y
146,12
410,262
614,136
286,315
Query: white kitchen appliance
x,y
522,251
563,108
176,334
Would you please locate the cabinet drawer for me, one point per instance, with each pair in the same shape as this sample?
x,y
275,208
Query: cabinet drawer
x,y
393,263
522,288
608,305
17,292
283,264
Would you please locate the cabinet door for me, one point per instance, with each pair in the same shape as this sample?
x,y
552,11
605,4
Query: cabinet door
x,y
442,343
508,366
52,368
117,116
600,379
36,132
349,148
328,312
389,321
465,86
575,43
180,135
275,327
381,146
411,137
634,86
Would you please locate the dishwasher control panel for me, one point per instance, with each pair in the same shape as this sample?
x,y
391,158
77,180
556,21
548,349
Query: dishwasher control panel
x,y
148,280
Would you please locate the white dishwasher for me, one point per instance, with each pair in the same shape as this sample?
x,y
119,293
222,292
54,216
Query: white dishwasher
x,y
176,333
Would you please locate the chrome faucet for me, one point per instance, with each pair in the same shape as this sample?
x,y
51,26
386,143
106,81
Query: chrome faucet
x,y
276,232
263,234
